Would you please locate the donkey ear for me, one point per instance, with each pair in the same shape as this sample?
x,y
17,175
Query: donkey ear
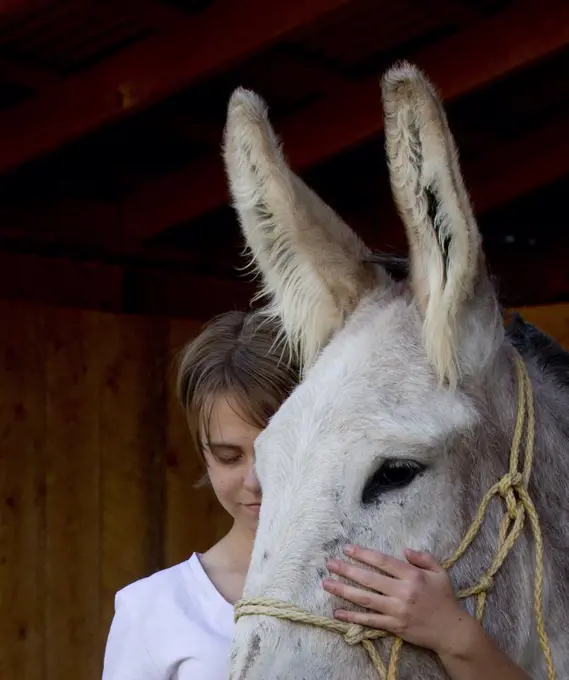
x,y
447,264
312,264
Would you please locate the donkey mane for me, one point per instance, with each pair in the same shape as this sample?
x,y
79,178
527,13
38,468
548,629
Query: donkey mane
x,y
533,343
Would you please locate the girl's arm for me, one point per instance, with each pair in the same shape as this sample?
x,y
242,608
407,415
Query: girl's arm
x,y
472,654
415,600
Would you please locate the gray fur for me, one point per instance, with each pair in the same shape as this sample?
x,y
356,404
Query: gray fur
x,y
419,368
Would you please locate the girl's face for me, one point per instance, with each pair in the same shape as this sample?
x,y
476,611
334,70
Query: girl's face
x,y
230,458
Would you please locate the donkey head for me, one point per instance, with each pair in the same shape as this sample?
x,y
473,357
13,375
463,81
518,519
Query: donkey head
x,y
392,436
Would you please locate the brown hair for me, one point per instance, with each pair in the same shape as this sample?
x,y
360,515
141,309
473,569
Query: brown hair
x,y
237,353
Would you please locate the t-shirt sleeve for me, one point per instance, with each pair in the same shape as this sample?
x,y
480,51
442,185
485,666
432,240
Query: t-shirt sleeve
x,y
126,654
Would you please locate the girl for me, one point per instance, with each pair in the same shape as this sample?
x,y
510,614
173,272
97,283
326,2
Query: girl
x,y
178,623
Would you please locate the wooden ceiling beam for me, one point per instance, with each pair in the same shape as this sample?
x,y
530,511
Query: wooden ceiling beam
x,y
225,33
501,175
135,288
140,288
193,128
520,166
28,75
159,15
455,11
8,8
487,51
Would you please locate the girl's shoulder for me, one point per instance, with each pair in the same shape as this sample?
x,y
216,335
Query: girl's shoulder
x,y
167,585
175,616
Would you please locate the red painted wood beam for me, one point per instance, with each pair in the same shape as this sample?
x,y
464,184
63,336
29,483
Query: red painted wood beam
x,y
158,283
225,33
487,51
132,289
504,173
155,13
157,287
157,291
521,166
26,74
10,7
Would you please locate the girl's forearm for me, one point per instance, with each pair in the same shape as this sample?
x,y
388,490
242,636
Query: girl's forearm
x,y
472,655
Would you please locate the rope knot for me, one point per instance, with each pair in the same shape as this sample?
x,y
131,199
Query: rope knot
x,y
354,635
507,487
509,482
486,583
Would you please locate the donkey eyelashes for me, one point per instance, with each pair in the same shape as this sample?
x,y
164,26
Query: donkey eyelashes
x,y
392,474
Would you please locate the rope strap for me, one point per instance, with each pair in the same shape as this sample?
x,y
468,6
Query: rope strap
x,y
513,490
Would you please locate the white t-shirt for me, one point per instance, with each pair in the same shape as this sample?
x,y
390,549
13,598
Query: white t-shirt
x,y
173,625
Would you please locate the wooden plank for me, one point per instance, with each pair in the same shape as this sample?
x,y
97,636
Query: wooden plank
x,y
10,7
521,166
132,412
27,74
178,293
193,518
155,13
22,434
488,50
72,495
162,293
505,173
224,33
155,289
62,282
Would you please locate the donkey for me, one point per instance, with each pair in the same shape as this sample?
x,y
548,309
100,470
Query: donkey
x,y
406,410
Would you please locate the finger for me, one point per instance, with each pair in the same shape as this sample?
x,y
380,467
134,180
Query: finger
x,y
377,621
424,560
390,565
364,577
376,602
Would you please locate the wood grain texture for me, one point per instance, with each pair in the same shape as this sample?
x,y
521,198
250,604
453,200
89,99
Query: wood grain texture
x,y
73,552
132,405
22,423
90,496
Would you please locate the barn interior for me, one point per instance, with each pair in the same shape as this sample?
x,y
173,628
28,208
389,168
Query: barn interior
x,y
118,240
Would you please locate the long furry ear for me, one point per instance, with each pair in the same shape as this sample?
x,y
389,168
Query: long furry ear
x,y
447,265
311,263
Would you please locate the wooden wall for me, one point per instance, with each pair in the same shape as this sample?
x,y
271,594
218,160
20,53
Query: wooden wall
x,y
96,474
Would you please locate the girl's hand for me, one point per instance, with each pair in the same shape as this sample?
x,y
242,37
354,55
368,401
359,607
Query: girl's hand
x,y
414,599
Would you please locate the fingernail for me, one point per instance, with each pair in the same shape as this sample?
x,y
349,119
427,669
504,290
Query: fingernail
x,y
332,564
349,549
340,614
410,551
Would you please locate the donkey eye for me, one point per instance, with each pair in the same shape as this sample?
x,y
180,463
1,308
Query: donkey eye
x,y
393,474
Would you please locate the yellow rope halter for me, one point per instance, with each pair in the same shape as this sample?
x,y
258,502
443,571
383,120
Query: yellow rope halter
x,y
513,489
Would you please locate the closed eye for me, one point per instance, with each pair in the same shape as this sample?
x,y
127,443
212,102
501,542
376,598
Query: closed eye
x,y
227,454
393,474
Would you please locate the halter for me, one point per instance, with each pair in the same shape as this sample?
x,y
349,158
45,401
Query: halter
x,y
512,488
